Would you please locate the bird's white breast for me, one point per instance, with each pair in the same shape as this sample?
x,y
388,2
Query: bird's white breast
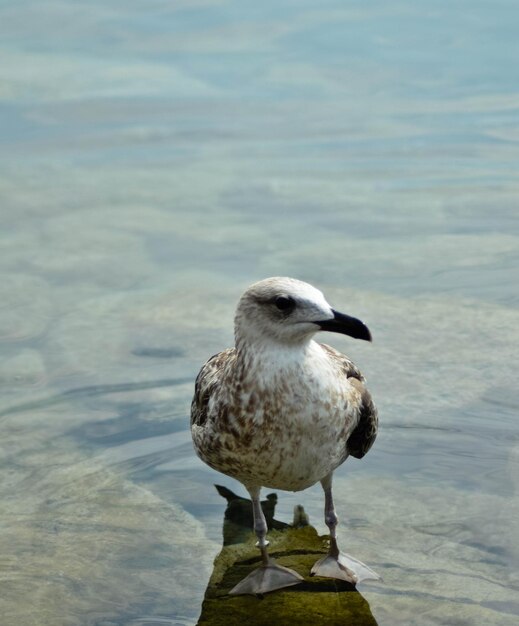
x,y
287,421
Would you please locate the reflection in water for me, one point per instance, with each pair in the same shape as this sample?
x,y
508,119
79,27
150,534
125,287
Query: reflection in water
x,y
328,601
239,520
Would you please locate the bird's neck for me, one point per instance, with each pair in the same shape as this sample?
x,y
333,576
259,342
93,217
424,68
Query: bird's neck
x,y
267,357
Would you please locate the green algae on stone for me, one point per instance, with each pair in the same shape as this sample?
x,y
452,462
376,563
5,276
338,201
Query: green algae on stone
x,y
316,600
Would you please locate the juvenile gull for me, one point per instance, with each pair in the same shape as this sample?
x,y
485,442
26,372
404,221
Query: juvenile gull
x,y
280,410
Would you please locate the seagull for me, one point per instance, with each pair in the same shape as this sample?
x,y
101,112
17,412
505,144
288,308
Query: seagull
x,y
282,411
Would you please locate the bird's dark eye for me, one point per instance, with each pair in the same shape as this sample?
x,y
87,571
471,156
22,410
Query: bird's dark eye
x,y
284,303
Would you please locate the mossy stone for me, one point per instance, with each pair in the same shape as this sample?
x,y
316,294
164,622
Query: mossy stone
x,y
316,600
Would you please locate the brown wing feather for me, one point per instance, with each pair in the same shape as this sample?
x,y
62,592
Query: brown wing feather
x,y
364,434
348,367
207,380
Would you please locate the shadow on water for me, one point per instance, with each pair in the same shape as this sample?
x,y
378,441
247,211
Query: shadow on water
x,y
315,600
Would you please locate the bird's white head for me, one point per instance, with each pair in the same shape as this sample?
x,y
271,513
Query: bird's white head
x,y
287,311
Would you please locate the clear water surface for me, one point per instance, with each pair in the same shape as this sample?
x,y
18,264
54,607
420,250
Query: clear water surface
x,y
157,157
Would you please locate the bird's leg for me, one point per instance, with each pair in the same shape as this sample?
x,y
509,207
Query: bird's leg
x,y
337,564
260,528
330,517
269,576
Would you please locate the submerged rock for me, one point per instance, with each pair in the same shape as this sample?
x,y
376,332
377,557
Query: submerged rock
x,y
80,544
24,369
25,308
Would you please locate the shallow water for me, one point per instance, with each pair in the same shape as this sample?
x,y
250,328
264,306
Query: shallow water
x,y
159,157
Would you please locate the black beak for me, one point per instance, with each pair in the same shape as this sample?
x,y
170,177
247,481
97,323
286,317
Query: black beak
x,y
346,325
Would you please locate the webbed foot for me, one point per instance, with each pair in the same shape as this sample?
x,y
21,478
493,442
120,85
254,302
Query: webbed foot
x,y
344,567
267,578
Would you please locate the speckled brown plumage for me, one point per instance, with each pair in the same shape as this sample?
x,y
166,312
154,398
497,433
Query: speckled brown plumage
x,y
281,424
